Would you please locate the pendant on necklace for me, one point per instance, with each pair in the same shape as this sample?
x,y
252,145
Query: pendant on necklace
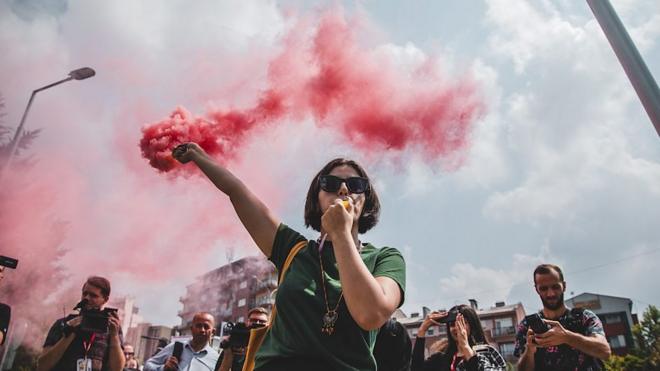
x,y
329,320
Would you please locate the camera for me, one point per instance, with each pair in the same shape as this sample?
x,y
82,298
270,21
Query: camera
x,y
239,335
96,320
536,323
8,262
449,318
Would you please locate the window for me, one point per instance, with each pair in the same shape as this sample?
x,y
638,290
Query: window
x,y
241,319
617,341
243,285
429,332
503,322
241,302
507,349
485,324
612,318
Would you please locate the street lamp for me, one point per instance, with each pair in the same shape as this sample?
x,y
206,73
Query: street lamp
x,y
632,62
79,74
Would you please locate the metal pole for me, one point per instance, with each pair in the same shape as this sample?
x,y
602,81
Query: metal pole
x,y
629,57
19,130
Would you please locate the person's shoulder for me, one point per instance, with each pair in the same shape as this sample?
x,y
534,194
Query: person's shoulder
x,y
383,251
62,320
491,354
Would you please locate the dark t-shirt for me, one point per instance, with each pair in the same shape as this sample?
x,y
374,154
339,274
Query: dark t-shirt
x,y
98,351
5,315
295,342
564,357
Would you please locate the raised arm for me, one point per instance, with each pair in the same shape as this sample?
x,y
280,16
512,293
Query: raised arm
x,y
259,221
370,300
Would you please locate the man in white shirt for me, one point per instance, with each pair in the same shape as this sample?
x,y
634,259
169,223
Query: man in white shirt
x,y
197,354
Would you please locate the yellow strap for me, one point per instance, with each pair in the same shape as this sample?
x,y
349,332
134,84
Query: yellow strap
x,y
257,335
292,254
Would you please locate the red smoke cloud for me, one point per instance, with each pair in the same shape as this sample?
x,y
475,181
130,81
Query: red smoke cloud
x,y
325,73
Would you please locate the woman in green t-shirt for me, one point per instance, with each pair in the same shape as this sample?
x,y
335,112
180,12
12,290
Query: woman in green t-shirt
x,y
338,291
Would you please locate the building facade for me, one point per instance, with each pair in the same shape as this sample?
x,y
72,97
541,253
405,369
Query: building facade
x,y
229,292
616,315
127,311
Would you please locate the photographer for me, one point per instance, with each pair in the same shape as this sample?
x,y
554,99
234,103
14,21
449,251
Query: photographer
x,y
194,355
233,355
5,310
90,340
466,350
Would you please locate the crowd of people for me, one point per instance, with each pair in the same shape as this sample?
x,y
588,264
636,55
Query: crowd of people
x,y
334,304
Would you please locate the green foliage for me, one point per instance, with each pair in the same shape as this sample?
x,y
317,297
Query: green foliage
x,y
647,336
627,363
646,354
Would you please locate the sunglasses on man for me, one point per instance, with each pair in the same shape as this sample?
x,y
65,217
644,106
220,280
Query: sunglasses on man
x,y
331,183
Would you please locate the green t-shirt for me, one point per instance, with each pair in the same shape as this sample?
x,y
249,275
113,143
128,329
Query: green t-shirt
x,y
295,342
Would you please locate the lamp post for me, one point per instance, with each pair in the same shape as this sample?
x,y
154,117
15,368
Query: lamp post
x,y
632,62
79,74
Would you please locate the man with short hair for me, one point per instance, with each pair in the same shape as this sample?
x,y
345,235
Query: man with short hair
x,y
70,347
131,362
233,358
576,339
5,313
197,354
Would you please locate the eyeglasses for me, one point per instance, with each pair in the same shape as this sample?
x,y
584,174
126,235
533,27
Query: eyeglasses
x,y
331,183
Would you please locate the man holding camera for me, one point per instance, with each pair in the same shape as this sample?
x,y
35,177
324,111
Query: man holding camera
x,y
90,340
233,357
557,338
194,355
5,310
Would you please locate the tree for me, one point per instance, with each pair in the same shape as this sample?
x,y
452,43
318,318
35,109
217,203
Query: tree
x,y
647,335
646,354
30,233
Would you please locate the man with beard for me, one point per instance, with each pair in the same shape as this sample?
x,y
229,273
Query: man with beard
x,y
575,339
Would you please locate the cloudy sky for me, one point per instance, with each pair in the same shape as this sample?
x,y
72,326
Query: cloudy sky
x,y
560,164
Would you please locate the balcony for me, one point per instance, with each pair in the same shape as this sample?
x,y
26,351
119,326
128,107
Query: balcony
x,y
266,284
503,331
264,301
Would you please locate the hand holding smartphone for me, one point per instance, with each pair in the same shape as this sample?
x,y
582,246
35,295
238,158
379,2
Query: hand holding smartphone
x,y
537,324
178,349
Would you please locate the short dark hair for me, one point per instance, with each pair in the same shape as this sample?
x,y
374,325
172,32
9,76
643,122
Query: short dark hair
x,y
370,211
261,310
100,283
548,269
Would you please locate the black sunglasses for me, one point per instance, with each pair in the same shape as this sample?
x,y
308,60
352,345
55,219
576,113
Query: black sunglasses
x,y
331,183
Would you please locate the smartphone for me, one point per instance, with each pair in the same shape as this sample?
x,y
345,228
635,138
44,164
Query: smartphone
x,y
178,349
536,323
8,262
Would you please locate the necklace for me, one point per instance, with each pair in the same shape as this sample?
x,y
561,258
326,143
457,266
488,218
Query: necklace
x,y
330,316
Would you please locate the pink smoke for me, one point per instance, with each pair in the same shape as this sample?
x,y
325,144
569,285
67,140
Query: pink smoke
x,y
324,73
